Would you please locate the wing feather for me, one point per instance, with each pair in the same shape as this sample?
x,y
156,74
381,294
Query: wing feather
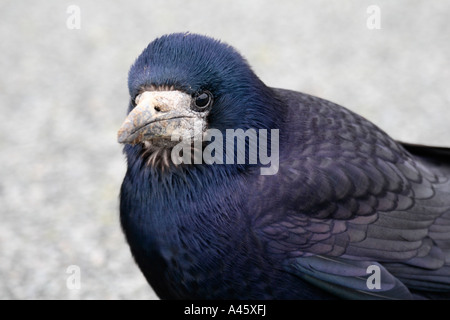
x,y
358,197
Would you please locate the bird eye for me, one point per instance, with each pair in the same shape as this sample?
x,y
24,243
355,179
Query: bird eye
x,y
203,100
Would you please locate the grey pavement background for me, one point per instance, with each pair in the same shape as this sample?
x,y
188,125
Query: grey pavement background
x,y
63,96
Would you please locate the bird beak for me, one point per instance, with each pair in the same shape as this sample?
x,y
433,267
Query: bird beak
x,y
158,115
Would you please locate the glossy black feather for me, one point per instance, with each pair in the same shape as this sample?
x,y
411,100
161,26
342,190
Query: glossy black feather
x,y
364,197
346,196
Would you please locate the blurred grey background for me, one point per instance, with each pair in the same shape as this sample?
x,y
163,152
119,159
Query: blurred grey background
x,y
63,95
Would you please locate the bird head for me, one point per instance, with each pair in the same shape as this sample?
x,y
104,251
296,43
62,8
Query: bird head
x,y
183,84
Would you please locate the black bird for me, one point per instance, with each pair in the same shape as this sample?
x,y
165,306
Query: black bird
x,y
344,212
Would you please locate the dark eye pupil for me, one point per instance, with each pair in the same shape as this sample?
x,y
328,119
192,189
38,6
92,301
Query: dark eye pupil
x,y
202,100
